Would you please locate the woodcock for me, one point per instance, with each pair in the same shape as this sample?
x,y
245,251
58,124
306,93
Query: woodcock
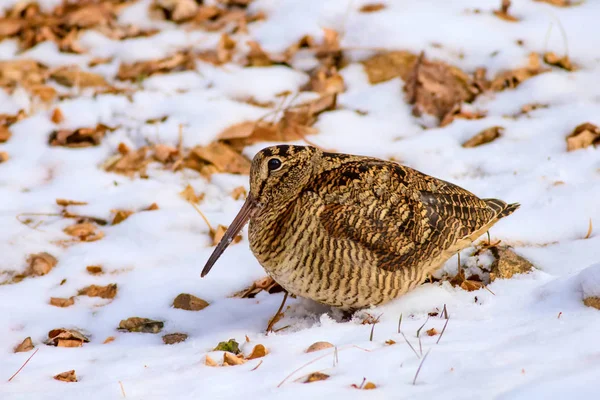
x,y
351,231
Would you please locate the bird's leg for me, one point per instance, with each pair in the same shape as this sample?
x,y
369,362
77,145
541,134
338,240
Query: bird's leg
x,y
278,315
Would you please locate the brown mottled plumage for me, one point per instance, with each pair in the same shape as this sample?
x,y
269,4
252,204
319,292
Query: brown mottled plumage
x,y
352,231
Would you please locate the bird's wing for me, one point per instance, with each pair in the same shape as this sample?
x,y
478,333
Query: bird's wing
x,y
402,216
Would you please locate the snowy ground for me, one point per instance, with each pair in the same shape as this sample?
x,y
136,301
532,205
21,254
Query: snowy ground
x,y
532,338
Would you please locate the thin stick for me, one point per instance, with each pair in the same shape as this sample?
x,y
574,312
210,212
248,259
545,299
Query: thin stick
x,y
444,312
373,327
257,365
443,330
420,365
399,322
362,383
410,345
210,228
488,289
122,389
422,326
24,364
336,360
589,232
274,320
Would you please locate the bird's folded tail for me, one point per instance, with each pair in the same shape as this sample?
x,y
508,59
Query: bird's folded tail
x,y
501,208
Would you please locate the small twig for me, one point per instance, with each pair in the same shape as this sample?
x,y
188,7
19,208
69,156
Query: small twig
x,y
399,322
257,365
422,326
443,330
373,327
362,383
410,345
589,232
24,364
488,289
336,360
210,228
414,382
281,329
122,389
444,312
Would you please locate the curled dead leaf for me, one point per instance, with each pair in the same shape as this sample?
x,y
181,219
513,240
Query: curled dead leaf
x,y
173,338
210,362
82,137
316,376
68,376
128,163
592,301
63,337
181,61
584,135
223,157
266,284
562,62
432,332
189,195
120,216
94,269
317,346
165,153
104,292
390,342
73,76
185,301
372,7
230,359
385,66
511,79
144,325
4,134
258,351
85,231
40,263
24,346
62,302
485,136
109,339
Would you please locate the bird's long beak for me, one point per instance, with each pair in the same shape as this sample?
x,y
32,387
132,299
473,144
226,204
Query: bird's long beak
x,y
243,216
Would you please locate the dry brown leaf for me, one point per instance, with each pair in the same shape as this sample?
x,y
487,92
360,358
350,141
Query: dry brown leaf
x,y
181,61
105,292
185,301
390,342
10,27
485,136
326,81
137,324
584,135
68,376
592,301
436,88
210,362
511,79
562,62
316,376
173,338
508,263
230,359
257,352
177,10
469,284
63,337
257,57
94,269
121,215
151,207
385,66
223,157
369,386
503,12
24,346
73,76
239,192
130,163
82,137
62,302
4,156
85,231
317,346
372,7
266,284
22,72
45,93
67,202
4,134
109,339
40,264
238,131
189,195
432,332
165,153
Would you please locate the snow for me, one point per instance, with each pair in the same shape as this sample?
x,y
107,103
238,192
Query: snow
x,y
533,338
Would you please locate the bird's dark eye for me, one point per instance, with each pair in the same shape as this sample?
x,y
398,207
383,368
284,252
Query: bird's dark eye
x,y
274,164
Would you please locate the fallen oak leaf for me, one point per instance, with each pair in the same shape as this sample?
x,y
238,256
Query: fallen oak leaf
x,y
84,231
94,269
24,346
562,62
223,157
185,301
189,195
73,76
120,216
62,302
63,337
385,66
104,292
512,78
173,338
432,332
40,263
486,136
507,263
318,346
583,135
68,376
143,325
257,352
316,376
230,359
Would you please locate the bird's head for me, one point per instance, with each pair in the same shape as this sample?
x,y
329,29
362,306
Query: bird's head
x,y
278,174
